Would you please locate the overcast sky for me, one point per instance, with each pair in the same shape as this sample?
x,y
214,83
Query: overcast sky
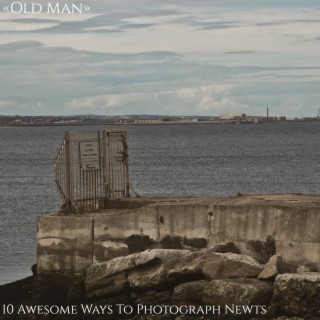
x,y
177,57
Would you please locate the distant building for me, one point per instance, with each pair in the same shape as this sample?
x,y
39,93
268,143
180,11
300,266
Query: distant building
x,y
230,116
146,121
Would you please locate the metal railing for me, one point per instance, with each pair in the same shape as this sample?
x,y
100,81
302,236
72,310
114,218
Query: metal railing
x,y
92,167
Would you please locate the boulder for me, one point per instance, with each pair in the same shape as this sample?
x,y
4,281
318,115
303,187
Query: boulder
x,y
138,243
294,318
270,269
140,270
76,292
297,294
246,292
275,266
112,284
34,269
307,268
226,247
303,269
172,266
163,268
231,265
212,265
154,297
189,292
155,274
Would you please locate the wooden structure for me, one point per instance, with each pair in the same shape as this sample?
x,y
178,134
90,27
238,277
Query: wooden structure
x,y
91,168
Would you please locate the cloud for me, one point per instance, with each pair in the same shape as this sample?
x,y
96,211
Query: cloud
x,y
240,52
7,104
66,80
111,18
4,104
174,56
20,45
32,20
197,100
291,105
106,101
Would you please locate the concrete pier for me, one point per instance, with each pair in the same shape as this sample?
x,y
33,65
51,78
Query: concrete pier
x,y
259,225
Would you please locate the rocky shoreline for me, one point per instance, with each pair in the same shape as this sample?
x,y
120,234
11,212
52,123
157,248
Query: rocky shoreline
x,y
216,283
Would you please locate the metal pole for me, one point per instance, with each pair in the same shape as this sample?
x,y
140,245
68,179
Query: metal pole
x,y
68,175
126,164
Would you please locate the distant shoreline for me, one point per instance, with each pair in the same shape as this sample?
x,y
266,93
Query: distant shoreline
x,y
156,123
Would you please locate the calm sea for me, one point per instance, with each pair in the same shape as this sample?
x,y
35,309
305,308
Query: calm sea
x,y
165,160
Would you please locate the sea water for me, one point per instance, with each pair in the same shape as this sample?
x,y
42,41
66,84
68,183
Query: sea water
x,y
164,160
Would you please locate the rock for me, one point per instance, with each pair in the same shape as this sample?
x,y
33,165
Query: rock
x,y
107,250
189,292
165,267
262,250
213,265
152,317
108,277
138,243
303,269
76,292
224,291
275,266
237,291
114,283
231,265
155,274
270,269
98,272
154,297
297,294
34,269
194,243
51,289
169,242
140,270
226,247
286,267
293,318
18,292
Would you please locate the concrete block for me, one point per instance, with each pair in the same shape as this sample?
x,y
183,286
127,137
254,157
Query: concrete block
x,y
257,249
142,221
186,221
300,253
298,224
65,227
107,250
239,223
71,256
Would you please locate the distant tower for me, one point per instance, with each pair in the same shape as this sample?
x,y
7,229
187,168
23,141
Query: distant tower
x,y
267,112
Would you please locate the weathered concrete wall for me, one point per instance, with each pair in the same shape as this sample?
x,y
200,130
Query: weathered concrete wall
x,y
183,220
259,227
297,235
142,221
263,230
130,231
64,244
251,228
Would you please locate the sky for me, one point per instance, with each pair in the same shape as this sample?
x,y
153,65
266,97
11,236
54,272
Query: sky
x,y
178,57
